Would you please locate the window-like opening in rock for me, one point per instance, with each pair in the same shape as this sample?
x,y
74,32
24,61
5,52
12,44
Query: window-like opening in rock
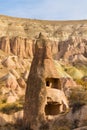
x,y
52,109
53,83
47,83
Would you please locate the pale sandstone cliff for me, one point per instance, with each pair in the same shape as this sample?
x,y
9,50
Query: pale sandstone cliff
x,y
67,43
24,47
67,38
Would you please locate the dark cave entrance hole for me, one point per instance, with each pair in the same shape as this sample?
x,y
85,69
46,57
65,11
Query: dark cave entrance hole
x,y
52,109
53,83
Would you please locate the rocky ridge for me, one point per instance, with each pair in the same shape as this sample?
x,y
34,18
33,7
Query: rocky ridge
x,y
68,48
67,38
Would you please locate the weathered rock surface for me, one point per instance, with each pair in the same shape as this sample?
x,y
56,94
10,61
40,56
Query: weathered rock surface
x,y
21,82
79,60
71,47
14,72
8,62
11,97
57,97
67,50
81,128
22,47
53,29
11,82
44,74
5,44
11,119
81,116
19,46
25,74
67,43
67,38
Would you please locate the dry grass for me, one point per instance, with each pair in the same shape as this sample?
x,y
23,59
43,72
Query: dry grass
x,y
3,17
9,108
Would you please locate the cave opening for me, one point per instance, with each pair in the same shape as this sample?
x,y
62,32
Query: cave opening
x,y
47,83
52,109
53,83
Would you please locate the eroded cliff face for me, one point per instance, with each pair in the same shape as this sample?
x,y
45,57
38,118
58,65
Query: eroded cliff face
x,y
19,46
43,97
55,30
5,44
67,44
66,50
71,47
67,38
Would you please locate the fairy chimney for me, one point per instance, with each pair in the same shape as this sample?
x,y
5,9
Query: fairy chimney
x,y
43,75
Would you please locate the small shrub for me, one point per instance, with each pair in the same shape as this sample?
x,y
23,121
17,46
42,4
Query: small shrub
x,y
82,82
10,107
4,100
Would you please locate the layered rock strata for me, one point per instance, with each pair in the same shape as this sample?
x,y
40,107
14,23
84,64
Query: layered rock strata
x,y
66,50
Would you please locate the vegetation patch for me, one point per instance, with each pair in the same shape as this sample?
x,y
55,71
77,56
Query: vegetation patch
x,y
74,72
10,107
82,82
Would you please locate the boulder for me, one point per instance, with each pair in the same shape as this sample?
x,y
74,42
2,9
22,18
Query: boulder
x,y
11,82
15,118
21,82
8,62
78,117
12,97
25,75
14,72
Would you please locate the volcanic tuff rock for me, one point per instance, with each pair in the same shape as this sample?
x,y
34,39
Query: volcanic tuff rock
x,y
80,116
19,46
10,81
24,47
5,44
9,119
38,100
21,82
8,62
71,47
55,30
67,43
68,38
